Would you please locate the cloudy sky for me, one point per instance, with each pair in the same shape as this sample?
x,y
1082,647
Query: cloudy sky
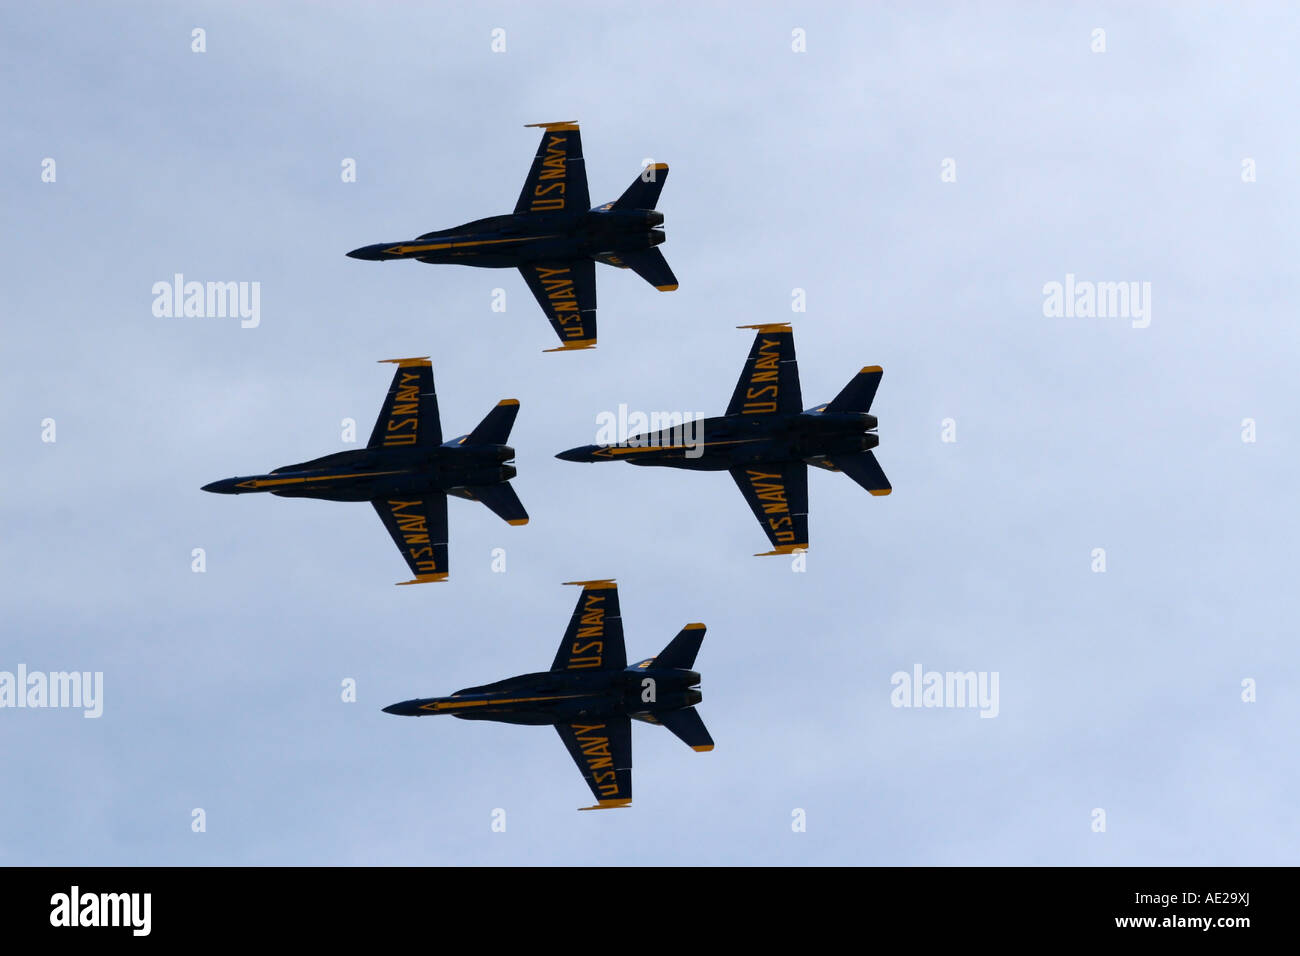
x,y
922,175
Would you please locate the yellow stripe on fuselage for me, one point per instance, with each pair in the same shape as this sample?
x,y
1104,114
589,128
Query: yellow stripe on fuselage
x,y
456,705
267,482
634,449
437,246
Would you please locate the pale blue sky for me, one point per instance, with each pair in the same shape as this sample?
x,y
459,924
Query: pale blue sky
x,y
816,170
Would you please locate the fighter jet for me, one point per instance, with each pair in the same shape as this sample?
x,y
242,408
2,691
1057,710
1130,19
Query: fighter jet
x,y
766,441
554,240
407,471
591,694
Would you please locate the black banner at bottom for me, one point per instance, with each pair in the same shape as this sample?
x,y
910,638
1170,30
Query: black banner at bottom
x,y
663,905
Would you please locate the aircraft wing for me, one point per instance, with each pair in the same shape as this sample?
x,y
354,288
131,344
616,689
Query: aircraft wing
x,y
566,291
594,638
557,181
418,525
602,749
410,412
769,384
778,496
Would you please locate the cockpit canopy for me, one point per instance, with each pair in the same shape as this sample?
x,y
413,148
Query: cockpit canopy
x,y
490,224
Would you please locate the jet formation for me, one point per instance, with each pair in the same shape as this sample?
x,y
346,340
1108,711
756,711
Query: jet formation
x,y
406,471
766,440
591,695
554,239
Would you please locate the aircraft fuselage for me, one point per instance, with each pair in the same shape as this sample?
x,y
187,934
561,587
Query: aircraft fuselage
x,y
368,473
716,444
502,242
556,697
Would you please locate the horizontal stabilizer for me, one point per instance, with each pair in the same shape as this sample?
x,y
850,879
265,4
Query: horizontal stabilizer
x,y
858,395
651,266
866,471
494,429
645,189
501,500
689,727
681,650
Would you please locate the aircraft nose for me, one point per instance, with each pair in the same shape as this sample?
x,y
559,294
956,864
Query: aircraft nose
x,y
583,453
224,487
404,708
368,253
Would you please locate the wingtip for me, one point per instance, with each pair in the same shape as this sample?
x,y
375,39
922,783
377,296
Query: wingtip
x,y
769,327
671,287
783,549
425,579
702,748
694,626
608,805
871,368
879,492
553,127
517,521
406,362
573,345
597,583
507,402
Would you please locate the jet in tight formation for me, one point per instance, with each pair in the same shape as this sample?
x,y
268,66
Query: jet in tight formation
x,y
554,239
766,440
591,695
406,471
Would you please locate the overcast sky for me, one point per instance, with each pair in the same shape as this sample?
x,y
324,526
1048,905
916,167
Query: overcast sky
x,y
822,170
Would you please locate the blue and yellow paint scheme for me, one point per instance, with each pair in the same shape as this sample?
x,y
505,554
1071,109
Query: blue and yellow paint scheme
x,y
591,695
766,439
406,471
555,238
